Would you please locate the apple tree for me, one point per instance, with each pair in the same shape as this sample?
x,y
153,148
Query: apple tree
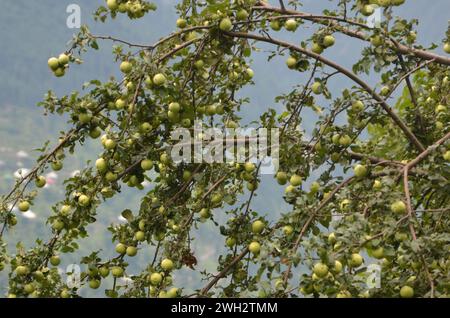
x,y
369,185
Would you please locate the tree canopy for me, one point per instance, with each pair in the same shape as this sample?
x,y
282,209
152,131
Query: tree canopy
x,y
367,186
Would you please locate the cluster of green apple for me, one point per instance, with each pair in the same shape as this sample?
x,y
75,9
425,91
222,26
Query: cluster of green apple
x,y
295,181
32,281
321,43
277,24
134,8
58,65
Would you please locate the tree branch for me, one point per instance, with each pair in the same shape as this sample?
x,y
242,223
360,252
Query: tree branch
x,y
408,133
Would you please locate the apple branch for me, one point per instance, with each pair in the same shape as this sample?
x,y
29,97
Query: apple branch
x,y
409,134
311,218
332,21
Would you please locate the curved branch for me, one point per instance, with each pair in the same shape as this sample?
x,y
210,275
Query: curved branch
x,y
409,134
333,22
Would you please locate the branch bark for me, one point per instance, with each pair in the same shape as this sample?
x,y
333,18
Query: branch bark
x,y
398,121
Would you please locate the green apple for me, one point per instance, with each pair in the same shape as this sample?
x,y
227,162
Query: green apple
x,y
167,265
58,225
146,164
335,156
187,175
335,139
174,107
317,48
328,41
290,25
112,4
110,144
275,25
24,206
56,165
55,260
117,271
446,156
315,187
440,109
385,90
289,189
131,251
320,269
199,64
22,270
367,10
104,271
398,207
249,167
146,127
331,238
242,15
181,23
84,200
281,177
356,260
126,67
360,171
230,242
211,110
254,248
407,292
94,283
84,118
155,279
377,185
65,210
295,180
317,88
164,158
120,103
159,79
345,140
101,165
64,294
216,198
95,133
249,73
205,213
378,253
173,117
258,226
337,267
344,294
60,72
121,248
63,59
110,176
288,230
447,47
357,106
291,62
186,122
53,63
226,25
173,292
29,288
139,236
376,40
